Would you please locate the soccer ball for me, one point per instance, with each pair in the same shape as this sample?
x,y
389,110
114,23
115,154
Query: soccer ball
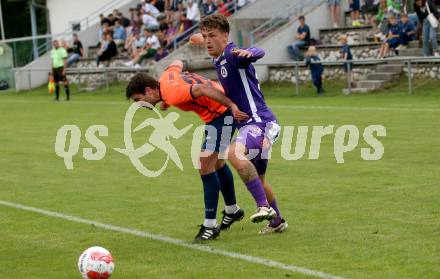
x,y
96,263
196,39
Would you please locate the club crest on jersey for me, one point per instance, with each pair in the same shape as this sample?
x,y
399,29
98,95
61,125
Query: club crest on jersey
x,y
223,72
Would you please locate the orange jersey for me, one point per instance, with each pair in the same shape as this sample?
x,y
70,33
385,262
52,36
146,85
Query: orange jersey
x,y
175,90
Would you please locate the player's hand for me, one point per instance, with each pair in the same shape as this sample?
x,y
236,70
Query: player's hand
x,y
242,52
238,114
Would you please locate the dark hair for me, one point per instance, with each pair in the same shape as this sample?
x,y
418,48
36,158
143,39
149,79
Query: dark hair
x,y
302,18
139,82
215,21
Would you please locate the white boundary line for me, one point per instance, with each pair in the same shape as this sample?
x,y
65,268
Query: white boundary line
x,y
177,242
311,107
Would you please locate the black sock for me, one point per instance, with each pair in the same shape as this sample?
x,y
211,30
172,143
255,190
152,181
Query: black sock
x,y
66,87
57,91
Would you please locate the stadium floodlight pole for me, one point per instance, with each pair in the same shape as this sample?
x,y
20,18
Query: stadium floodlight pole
x,y
2,29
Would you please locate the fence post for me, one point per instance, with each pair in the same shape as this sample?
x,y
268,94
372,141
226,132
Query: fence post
x,y
29,80
78,87
410,89
251,39
106,78
297,78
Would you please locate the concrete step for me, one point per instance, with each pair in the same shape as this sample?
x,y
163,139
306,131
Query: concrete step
x,y
414,44
370,84
361,90
384,76
390,68
411,52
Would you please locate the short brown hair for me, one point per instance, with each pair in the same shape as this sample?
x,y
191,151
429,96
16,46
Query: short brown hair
x,y
139,82
215,21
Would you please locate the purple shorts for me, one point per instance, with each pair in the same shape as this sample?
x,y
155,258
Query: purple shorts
x,y
258,139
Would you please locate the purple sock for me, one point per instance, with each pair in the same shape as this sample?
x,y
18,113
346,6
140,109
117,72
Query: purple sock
x,y
277,220
273,204
256,188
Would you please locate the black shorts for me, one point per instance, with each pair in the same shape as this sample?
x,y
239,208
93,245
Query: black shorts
x,y
58,75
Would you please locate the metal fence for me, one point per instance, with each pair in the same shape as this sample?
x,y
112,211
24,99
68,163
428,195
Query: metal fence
x,y
108,72
407,62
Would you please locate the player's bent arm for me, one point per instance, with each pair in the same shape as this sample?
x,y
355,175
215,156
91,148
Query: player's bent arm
x,y
198,90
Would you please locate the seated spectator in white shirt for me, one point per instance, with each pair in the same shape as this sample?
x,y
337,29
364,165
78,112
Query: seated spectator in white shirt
x,y
150,9
149,21
192,12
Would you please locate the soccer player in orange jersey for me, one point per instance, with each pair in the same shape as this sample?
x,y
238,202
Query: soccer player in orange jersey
x,y
191,92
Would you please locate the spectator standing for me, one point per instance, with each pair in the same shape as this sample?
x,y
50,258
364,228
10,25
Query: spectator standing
x,y
335,11
355,7
59,65
346,55
76,51
108,51
429,34
302,40
316,68
369,9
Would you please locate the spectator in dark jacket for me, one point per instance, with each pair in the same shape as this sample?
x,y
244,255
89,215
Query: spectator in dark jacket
x,y
302,40
429,33
108,50
316,68
208,8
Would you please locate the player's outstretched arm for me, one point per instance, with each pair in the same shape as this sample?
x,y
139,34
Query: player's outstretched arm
x,y
249,54
216,95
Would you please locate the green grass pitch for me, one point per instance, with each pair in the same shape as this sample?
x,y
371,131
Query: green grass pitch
x,y
360,219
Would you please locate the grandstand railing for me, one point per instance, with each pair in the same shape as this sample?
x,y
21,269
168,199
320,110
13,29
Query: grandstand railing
x,y
407,62
293,10
23,47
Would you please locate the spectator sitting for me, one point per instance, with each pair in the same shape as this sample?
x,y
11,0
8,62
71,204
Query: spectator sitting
x,y
111,20
76,51
148,50
149,21
192,13
394,7
124,21
108,51
370,8
208,8
222,8
393,37
408,30
316,68
119,34
103,19
303,39
161,53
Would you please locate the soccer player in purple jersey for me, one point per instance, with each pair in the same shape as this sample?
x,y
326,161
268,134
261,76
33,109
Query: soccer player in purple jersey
x,y
237,76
